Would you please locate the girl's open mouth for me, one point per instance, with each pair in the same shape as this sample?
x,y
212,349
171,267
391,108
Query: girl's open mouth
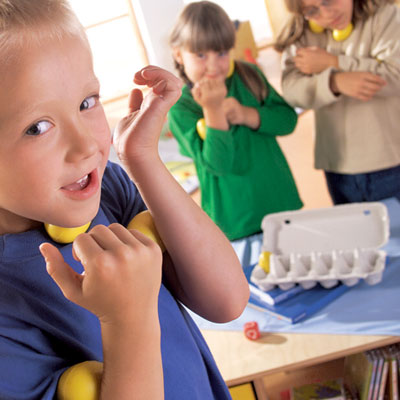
x,y
84,187
80,184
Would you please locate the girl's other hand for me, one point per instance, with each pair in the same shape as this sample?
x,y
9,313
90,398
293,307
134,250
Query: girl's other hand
x,y
209,93
313,60
237,114
122,274
359,85
234,111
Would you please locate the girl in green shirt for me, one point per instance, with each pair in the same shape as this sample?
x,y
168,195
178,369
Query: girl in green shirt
x,y
227,120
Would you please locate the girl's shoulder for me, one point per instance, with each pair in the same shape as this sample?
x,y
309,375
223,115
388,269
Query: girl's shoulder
x,y
386,12
386,18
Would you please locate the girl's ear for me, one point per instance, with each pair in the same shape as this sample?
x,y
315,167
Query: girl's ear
x,y
176,52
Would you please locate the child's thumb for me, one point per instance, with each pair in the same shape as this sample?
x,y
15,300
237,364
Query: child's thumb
x,y
65,277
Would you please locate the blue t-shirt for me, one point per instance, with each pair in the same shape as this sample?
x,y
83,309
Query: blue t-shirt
x,y
42,333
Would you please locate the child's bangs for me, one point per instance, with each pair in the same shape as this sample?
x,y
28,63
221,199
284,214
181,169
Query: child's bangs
x,y
209,35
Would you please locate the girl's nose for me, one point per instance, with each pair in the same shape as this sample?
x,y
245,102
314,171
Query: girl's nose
x,y
81,142
212,63
325,11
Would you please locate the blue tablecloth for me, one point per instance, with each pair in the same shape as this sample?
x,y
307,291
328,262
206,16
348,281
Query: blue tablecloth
x,y
363,310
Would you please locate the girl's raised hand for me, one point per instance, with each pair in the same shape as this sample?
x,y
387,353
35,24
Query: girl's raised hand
x,y
359,85
137,134
209,93
122,274
313,60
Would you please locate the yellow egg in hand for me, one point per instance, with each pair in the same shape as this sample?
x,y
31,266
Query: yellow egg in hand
x,y
81,382
65,235
143,222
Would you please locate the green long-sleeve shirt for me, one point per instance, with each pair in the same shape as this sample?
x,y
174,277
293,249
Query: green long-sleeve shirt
x,y
243,173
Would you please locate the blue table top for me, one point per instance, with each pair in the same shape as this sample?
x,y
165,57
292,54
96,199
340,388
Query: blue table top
x,y
363,310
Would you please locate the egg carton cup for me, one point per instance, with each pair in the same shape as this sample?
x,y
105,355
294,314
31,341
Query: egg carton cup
x,y
325,268
327,246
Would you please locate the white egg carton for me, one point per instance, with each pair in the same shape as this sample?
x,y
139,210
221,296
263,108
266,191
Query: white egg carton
x,y
326,246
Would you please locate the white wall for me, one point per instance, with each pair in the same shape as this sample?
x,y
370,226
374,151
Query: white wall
x,y
155,19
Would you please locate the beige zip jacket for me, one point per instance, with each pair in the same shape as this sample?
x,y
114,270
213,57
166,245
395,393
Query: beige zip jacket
x,y
352,136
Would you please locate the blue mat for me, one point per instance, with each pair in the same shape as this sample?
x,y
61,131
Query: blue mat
x,y
363,310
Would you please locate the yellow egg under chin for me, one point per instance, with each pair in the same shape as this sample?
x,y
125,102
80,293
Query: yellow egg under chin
x,y
65,235
315,27
342,34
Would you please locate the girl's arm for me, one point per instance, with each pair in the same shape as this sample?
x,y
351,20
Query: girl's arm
x,y
305,91
210,94
384,54
277,117
201,265
216,152
381,64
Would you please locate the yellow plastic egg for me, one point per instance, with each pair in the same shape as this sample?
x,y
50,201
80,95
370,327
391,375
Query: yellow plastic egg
x,y
342,34
201,128
65,235
231,68
315,27
263,261
81,382
143,222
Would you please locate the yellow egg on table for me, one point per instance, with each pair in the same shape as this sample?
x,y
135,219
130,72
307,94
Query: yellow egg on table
x,y
143,222
263,261
81,382
65,235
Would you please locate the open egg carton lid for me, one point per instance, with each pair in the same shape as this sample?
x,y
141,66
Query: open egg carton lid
x,y
326,246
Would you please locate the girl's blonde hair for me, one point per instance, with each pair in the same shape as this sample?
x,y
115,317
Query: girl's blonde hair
x,y
204,26
27,21
294,29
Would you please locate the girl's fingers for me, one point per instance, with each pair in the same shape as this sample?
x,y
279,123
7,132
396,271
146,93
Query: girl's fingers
x,y
86,248
135,100
69,281
130,237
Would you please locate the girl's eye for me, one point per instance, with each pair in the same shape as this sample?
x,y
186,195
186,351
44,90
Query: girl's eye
x,y
89,102
223,53
200,55
38,128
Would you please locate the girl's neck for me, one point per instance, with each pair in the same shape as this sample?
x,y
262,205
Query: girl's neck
x,y
11,223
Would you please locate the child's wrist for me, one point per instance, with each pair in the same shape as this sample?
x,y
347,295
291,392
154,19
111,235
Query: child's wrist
x,y
334,61
251,117
333,83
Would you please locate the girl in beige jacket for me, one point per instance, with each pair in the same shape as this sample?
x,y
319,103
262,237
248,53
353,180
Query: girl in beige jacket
x,y
342,59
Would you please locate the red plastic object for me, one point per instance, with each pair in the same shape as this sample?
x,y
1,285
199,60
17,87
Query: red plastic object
x,y
251,330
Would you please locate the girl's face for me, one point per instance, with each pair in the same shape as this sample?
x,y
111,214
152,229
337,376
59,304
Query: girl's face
x,y
54,137
331,14
205,65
